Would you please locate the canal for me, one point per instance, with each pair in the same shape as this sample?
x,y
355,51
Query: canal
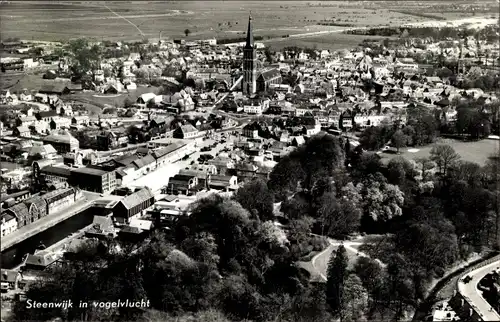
x,y
13,256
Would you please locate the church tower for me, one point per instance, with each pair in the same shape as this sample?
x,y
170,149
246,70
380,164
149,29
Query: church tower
x,y
249,84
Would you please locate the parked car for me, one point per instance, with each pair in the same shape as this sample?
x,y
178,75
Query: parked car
x,y
205,157
185,157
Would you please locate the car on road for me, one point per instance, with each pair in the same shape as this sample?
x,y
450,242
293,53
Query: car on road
x,y
205,157
185,157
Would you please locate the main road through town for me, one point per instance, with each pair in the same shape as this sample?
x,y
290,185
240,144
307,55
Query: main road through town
x,y
157,179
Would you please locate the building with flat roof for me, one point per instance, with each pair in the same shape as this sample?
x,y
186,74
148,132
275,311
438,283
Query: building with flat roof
x,y
95,180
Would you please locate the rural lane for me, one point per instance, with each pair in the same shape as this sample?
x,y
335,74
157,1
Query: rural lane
x,y
320,261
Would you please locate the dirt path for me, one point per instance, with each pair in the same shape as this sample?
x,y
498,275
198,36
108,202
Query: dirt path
x,y
320,261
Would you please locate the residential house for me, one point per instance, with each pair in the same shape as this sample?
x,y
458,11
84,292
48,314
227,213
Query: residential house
x,y
46,151
146,98
203,177
37,207
41,260
80,120
21,213
222,164
145,165
224,183
22,131
298,141
169,154
8,224
182,184
186,132
346,120
245,171
108,140
60,123
310,130
10,277
62,141
256,107
47,116
54,88
133,206
251,130
102,227
185,103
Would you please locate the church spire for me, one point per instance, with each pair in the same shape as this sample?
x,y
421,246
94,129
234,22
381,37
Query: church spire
x,y
249,43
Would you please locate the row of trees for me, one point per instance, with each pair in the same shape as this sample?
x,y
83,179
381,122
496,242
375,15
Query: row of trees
x,y
436,33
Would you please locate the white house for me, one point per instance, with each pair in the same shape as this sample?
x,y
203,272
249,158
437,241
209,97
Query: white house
x,y
257,109
8,224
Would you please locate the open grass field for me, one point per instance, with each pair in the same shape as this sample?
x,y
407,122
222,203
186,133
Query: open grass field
x,y
111,100
133,20
17,82
477,152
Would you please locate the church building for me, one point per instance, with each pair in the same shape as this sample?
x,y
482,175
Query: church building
x,y
255,78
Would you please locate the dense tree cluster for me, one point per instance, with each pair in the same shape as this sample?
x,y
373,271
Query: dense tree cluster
x,y
229,261
422,128
436,33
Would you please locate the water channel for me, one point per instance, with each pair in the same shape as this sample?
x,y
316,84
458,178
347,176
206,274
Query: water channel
x,y
13,256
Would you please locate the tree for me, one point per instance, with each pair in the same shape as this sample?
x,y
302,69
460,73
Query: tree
x,y
423,123
400,284
375,137
256,198
285,176
426,166
382,201
399,169
85,57
339,218
399,139
37,51
128,102
444,156
355,298
444,73
53,125
187,32
336,276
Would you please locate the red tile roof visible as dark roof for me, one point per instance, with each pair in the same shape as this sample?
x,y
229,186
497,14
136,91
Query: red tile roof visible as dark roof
x,y
137,198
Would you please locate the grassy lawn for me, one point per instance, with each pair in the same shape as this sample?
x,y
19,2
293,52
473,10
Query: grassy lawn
x,y
477,152
18,82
